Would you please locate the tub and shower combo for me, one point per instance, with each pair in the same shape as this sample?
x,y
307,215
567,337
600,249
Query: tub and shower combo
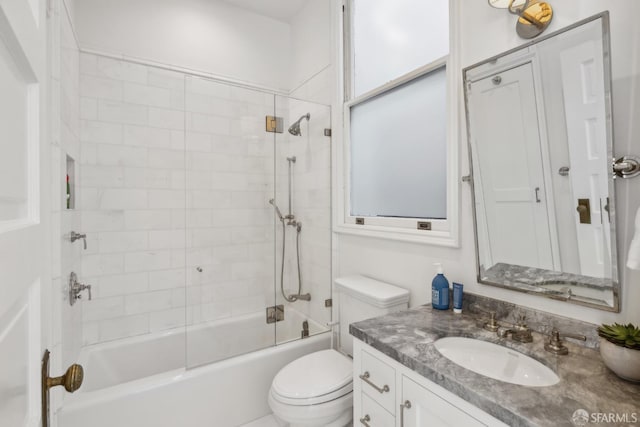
x,y
142,381
249,285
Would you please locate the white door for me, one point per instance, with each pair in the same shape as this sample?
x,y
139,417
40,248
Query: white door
x,y
423,408
583,88
24,208
509,171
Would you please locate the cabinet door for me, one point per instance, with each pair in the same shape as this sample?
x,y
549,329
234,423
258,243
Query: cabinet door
x,y
373,415
422,408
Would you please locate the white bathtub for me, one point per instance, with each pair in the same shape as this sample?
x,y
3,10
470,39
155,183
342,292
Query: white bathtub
x,y
142,382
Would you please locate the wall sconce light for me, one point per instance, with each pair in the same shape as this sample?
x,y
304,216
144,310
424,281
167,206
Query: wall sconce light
x,y
533,16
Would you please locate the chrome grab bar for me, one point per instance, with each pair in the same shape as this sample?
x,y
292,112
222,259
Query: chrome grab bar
x,y
364,420
404,405
365,377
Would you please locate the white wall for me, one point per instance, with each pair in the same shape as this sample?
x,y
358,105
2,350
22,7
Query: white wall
x,y
311,47
205,35
485,32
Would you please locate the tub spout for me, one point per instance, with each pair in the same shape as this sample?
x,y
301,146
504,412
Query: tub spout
x,y
302,297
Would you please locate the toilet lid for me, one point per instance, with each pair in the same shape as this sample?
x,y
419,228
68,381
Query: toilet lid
x,y
316,374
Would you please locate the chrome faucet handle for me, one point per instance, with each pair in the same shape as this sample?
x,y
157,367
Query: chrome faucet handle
x,y
555,344
77,236
492,325
522,321
76,287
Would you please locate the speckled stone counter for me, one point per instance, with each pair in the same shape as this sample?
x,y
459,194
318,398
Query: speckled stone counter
x,y
585,382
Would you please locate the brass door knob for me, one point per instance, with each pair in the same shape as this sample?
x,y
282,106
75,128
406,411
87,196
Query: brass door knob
x,y
71,380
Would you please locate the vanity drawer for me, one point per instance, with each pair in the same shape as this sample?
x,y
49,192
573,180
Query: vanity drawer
x,y
378,381
373,415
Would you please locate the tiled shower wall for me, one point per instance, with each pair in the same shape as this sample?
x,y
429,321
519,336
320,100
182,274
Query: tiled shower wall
x,y
160,256
229,182
132,197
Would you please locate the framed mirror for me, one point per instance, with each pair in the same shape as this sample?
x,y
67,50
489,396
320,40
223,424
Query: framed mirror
x,y
540,145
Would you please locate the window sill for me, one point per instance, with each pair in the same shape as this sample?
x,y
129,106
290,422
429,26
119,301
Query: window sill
x,y
432,238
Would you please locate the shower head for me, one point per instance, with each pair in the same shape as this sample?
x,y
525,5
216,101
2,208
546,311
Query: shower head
x,y
273,203
294,129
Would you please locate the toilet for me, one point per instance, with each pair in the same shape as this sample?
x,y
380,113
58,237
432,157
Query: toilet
x,y
317,389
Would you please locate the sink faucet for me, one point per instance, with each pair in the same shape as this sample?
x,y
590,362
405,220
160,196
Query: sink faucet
x,y
519,332
555,344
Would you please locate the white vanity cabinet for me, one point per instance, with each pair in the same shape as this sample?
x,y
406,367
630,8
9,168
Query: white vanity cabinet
x,y
388,394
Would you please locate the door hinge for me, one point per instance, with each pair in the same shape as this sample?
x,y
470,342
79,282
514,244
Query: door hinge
x,y
328,303
275,314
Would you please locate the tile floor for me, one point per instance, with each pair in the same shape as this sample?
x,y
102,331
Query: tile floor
x,y
268,421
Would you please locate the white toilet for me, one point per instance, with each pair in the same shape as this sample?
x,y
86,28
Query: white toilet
x,y
317,389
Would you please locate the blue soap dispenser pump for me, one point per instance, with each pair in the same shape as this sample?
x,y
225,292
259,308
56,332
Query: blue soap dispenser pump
x,y
440,290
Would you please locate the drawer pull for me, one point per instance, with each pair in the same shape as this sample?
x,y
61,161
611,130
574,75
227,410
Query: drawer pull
x,y
405,405
364,420
365,377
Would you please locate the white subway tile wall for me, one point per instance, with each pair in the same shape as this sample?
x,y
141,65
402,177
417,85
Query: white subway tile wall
x,y
132,198
228,187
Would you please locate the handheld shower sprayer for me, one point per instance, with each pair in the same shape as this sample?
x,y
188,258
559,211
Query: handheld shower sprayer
x,y
273,203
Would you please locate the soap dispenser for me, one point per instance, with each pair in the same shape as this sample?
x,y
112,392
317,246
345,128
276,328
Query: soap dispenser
x,y
440,290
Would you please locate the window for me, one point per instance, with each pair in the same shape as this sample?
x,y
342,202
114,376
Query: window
x,y
400,146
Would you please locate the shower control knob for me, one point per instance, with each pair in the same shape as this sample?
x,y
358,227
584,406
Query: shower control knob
x,y
76,287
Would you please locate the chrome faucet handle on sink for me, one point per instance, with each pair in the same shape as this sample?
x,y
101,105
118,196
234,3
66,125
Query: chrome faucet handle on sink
x,y
492,325
555,344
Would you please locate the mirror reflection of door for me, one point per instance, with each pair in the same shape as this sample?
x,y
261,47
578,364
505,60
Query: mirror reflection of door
x,y
509,170
541,146
582,77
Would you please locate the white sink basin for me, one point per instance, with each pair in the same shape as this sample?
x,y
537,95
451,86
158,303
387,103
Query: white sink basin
x,y
495,361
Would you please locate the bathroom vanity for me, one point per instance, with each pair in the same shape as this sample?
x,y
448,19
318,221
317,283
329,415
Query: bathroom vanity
x,y
387,393
401,379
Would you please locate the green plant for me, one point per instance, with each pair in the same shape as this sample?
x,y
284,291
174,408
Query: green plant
x,y
621,335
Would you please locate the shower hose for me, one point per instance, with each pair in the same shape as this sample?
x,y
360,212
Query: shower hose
x,y
291,298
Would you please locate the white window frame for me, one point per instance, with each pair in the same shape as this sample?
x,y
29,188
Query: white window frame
x,y
443,232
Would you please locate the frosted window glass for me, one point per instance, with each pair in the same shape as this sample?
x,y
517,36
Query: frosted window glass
x,y
392,38
398,151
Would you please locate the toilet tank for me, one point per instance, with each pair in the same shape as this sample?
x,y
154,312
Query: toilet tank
x,y
361,298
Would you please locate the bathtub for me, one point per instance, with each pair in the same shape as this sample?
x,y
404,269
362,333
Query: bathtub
x,y
142,382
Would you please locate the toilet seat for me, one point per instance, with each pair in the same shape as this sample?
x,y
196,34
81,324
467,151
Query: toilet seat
x,y
313,379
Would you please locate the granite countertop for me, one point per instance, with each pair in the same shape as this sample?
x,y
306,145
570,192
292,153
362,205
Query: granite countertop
x,y
585,382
